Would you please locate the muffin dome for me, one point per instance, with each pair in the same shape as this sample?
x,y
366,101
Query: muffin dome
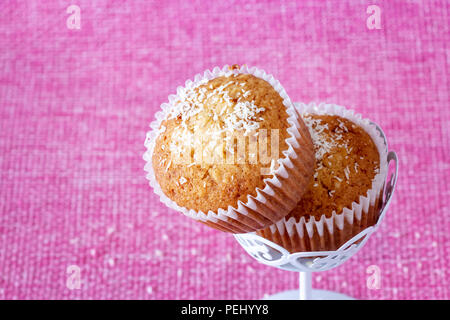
x,y
347,160
197,161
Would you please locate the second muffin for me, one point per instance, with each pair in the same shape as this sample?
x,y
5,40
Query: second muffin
x,y
345,193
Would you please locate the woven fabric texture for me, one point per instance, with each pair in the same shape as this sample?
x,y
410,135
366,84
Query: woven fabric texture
x,y
75,105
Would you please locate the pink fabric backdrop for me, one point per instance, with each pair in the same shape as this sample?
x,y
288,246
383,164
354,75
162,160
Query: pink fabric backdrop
x,y
75,106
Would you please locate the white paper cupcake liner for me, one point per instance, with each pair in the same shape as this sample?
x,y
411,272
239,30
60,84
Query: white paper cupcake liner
x,y
330,233
280,193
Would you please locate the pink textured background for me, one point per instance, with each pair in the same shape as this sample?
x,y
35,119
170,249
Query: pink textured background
x,y
75,106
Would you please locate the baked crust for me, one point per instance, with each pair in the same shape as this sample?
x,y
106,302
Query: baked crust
x,y
347,160
191,159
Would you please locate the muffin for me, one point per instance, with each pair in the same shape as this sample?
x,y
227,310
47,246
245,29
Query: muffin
x,y
230,151
345,193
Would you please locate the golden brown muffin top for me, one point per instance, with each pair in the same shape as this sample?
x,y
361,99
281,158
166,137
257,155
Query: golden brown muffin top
x,y
346,162
197,159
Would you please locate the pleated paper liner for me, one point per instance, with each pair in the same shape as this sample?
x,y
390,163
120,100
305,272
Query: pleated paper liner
x,y
280,193
302,235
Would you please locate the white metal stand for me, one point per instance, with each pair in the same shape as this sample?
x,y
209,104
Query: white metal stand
x,y
305,263
306,292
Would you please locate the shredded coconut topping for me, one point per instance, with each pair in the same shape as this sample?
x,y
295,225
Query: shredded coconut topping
x,y
347,173
243,117
322,143
182,180
234,115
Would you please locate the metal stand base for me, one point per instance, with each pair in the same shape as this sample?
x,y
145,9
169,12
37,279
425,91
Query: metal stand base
x,y
315,295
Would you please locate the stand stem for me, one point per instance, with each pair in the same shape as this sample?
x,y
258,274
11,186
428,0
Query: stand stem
x,y
305,286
